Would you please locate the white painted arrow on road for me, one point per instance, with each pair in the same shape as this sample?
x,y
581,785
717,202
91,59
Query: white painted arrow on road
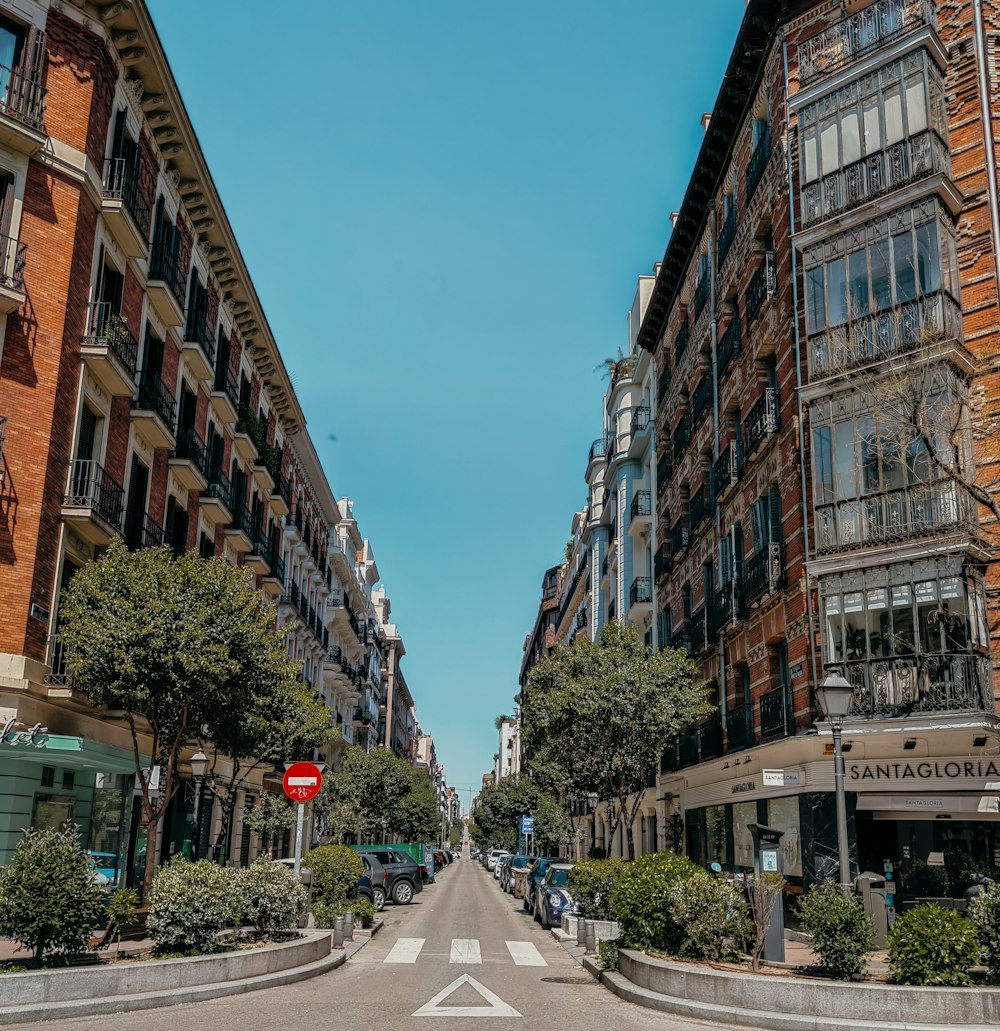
x,y
497,1007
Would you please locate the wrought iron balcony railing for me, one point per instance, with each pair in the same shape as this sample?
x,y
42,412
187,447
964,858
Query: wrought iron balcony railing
x,y
165,262
642,504
262,548
106,328
91,486
908,513
727,233
859,35
192,447
225,382
727,468
762,421
142,531
868,339
126,180
679,537
640,419
710,738
701,292
664,470
681,341
59,675
701,398
775,715
760,288
597,450
739,728
697,632
220,488
663,385
23,99
700,506
661,562
758,162
682,436
729,345
13,258
729,604
875,175
196,331
154,396
765,571
641,591
905,684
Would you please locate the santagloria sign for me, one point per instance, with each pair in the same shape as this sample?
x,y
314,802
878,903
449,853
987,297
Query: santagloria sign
x,y
944,769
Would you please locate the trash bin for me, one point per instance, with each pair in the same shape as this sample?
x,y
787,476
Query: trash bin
x,y
520,883
872,889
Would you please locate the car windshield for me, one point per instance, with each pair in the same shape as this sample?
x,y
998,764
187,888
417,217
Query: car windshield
x,y
520,862
559,878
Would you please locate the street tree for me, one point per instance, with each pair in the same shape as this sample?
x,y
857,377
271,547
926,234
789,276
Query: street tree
x,y
501,806
598,715
177,648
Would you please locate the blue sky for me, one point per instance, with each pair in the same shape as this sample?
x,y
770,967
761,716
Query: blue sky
x,y
444,207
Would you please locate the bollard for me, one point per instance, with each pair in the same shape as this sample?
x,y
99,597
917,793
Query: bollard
x,y
338,933
590,945
581,931
349,927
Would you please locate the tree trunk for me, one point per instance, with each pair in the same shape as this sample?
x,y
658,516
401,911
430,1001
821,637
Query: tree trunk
x,y
631,841
152,832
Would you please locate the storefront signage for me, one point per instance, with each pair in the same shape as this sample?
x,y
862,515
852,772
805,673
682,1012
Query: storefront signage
x,y
36,736
781,779
741,787
946,769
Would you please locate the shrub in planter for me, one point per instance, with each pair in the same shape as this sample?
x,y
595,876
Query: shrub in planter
x,y
713,917
269,896
48,898
324,913
640,901
607,951
190,904
335,872
932,946
842,935
985,914
591,883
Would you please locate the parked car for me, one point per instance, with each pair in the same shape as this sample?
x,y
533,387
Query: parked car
x,y
536,871
516,863
492,856
404,880
552,898
379,878
502,864
364,890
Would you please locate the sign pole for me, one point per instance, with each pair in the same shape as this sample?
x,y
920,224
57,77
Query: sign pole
x,y
302,783
299,822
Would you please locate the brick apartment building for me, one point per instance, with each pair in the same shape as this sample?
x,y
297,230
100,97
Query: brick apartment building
x,y
142,395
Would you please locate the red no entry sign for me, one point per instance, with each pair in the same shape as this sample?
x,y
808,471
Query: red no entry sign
x,y
302,781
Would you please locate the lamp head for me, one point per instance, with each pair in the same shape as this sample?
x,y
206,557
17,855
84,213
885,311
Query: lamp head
x,y
199,764
834,696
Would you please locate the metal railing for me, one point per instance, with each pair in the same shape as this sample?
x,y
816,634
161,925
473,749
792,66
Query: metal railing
x,y
262,548
242,520
762,421
727,468
192,447
59,675
598,449
165,263
739,728
91,486
765,571
700,506
701,292
868,339
860,34
726,235
153,396
641,591
142,531
760,288
225,383
775,715
13,258
642,504
661,562
23,99
219,488
664,470
196,331
710,738
106,328
933,682
875,175
758,162
663,385
729,345
681,340
123,180
277,564
701,398
679,537
697,631
729,604
681,436
899,515
640,419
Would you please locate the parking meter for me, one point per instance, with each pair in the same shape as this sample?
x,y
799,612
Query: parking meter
x,y
874,898
766,860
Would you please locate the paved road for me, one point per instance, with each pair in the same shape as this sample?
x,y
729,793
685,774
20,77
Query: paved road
x,y
462,927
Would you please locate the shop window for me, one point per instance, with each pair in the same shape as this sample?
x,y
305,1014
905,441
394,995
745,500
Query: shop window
x,y
68,780
53,812
48,778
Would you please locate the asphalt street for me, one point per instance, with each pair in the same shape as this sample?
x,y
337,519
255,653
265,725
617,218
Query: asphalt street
x,y
462,928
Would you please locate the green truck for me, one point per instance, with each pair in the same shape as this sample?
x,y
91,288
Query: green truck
x,y
422,855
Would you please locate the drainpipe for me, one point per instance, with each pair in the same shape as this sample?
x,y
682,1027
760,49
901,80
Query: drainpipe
x,y
714,332
798,370
988,144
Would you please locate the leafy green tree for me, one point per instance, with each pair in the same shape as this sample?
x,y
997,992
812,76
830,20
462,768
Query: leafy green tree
x,y
180,648
597,716
269,815
495,821
48,899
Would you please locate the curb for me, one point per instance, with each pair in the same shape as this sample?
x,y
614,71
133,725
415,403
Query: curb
x,y
177,997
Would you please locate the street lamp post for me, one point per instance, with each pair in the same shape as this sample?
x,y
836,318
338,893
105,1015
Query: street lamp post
x,y
593,800
199,767
834,699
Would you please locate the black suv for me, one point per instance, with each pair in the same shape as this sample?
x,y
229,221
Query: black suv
x,y
404,873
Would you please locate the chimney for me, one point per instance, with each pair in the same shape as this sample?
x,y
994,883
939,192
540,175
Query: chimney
x,y
674,215
706,118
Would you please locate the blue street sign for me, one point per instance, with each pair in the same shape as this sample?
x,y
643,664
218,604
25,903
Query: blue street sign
x,y
527,825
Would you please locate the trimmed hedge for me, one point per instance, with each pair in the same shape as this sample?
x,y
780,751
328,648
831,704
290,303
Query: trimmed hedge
x,y
591,883
932,946
641,901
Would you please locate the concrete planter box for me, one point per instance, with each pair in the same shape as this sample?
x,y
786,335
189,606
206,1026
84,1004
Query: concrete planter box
x,y
604,930
798,1004
119,979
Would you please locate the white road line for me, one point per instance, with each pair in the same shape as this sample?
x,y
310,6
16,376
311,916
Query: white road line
x,y
405,950
524,954
465,950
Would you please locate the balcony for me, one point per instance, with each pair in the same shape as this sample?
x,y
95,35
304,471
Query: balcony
x,y
661,562
217,499
761,287
869,339
225,397
679,537
641,509
859,35
726,235
663,384
142,531
739,729
905,685
110,351
199,346
682,437
664,470
124,204
641,591
59,680
165,285
727,468
260,556
729,604
701,399
13,257
640,420
758,164
896,517
710,738
762,421
680,639
189,460
597,450
94,503
700,506
22,125
875,175
775,715
701,292
273,580
681,341
250,434
729,345
280,495
765,572
622,370
697,635
154,411
240,532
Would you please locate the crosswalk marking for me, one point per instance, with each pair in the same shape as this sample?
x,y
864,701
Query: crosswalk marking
x,y
405,950
524,954
465,950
